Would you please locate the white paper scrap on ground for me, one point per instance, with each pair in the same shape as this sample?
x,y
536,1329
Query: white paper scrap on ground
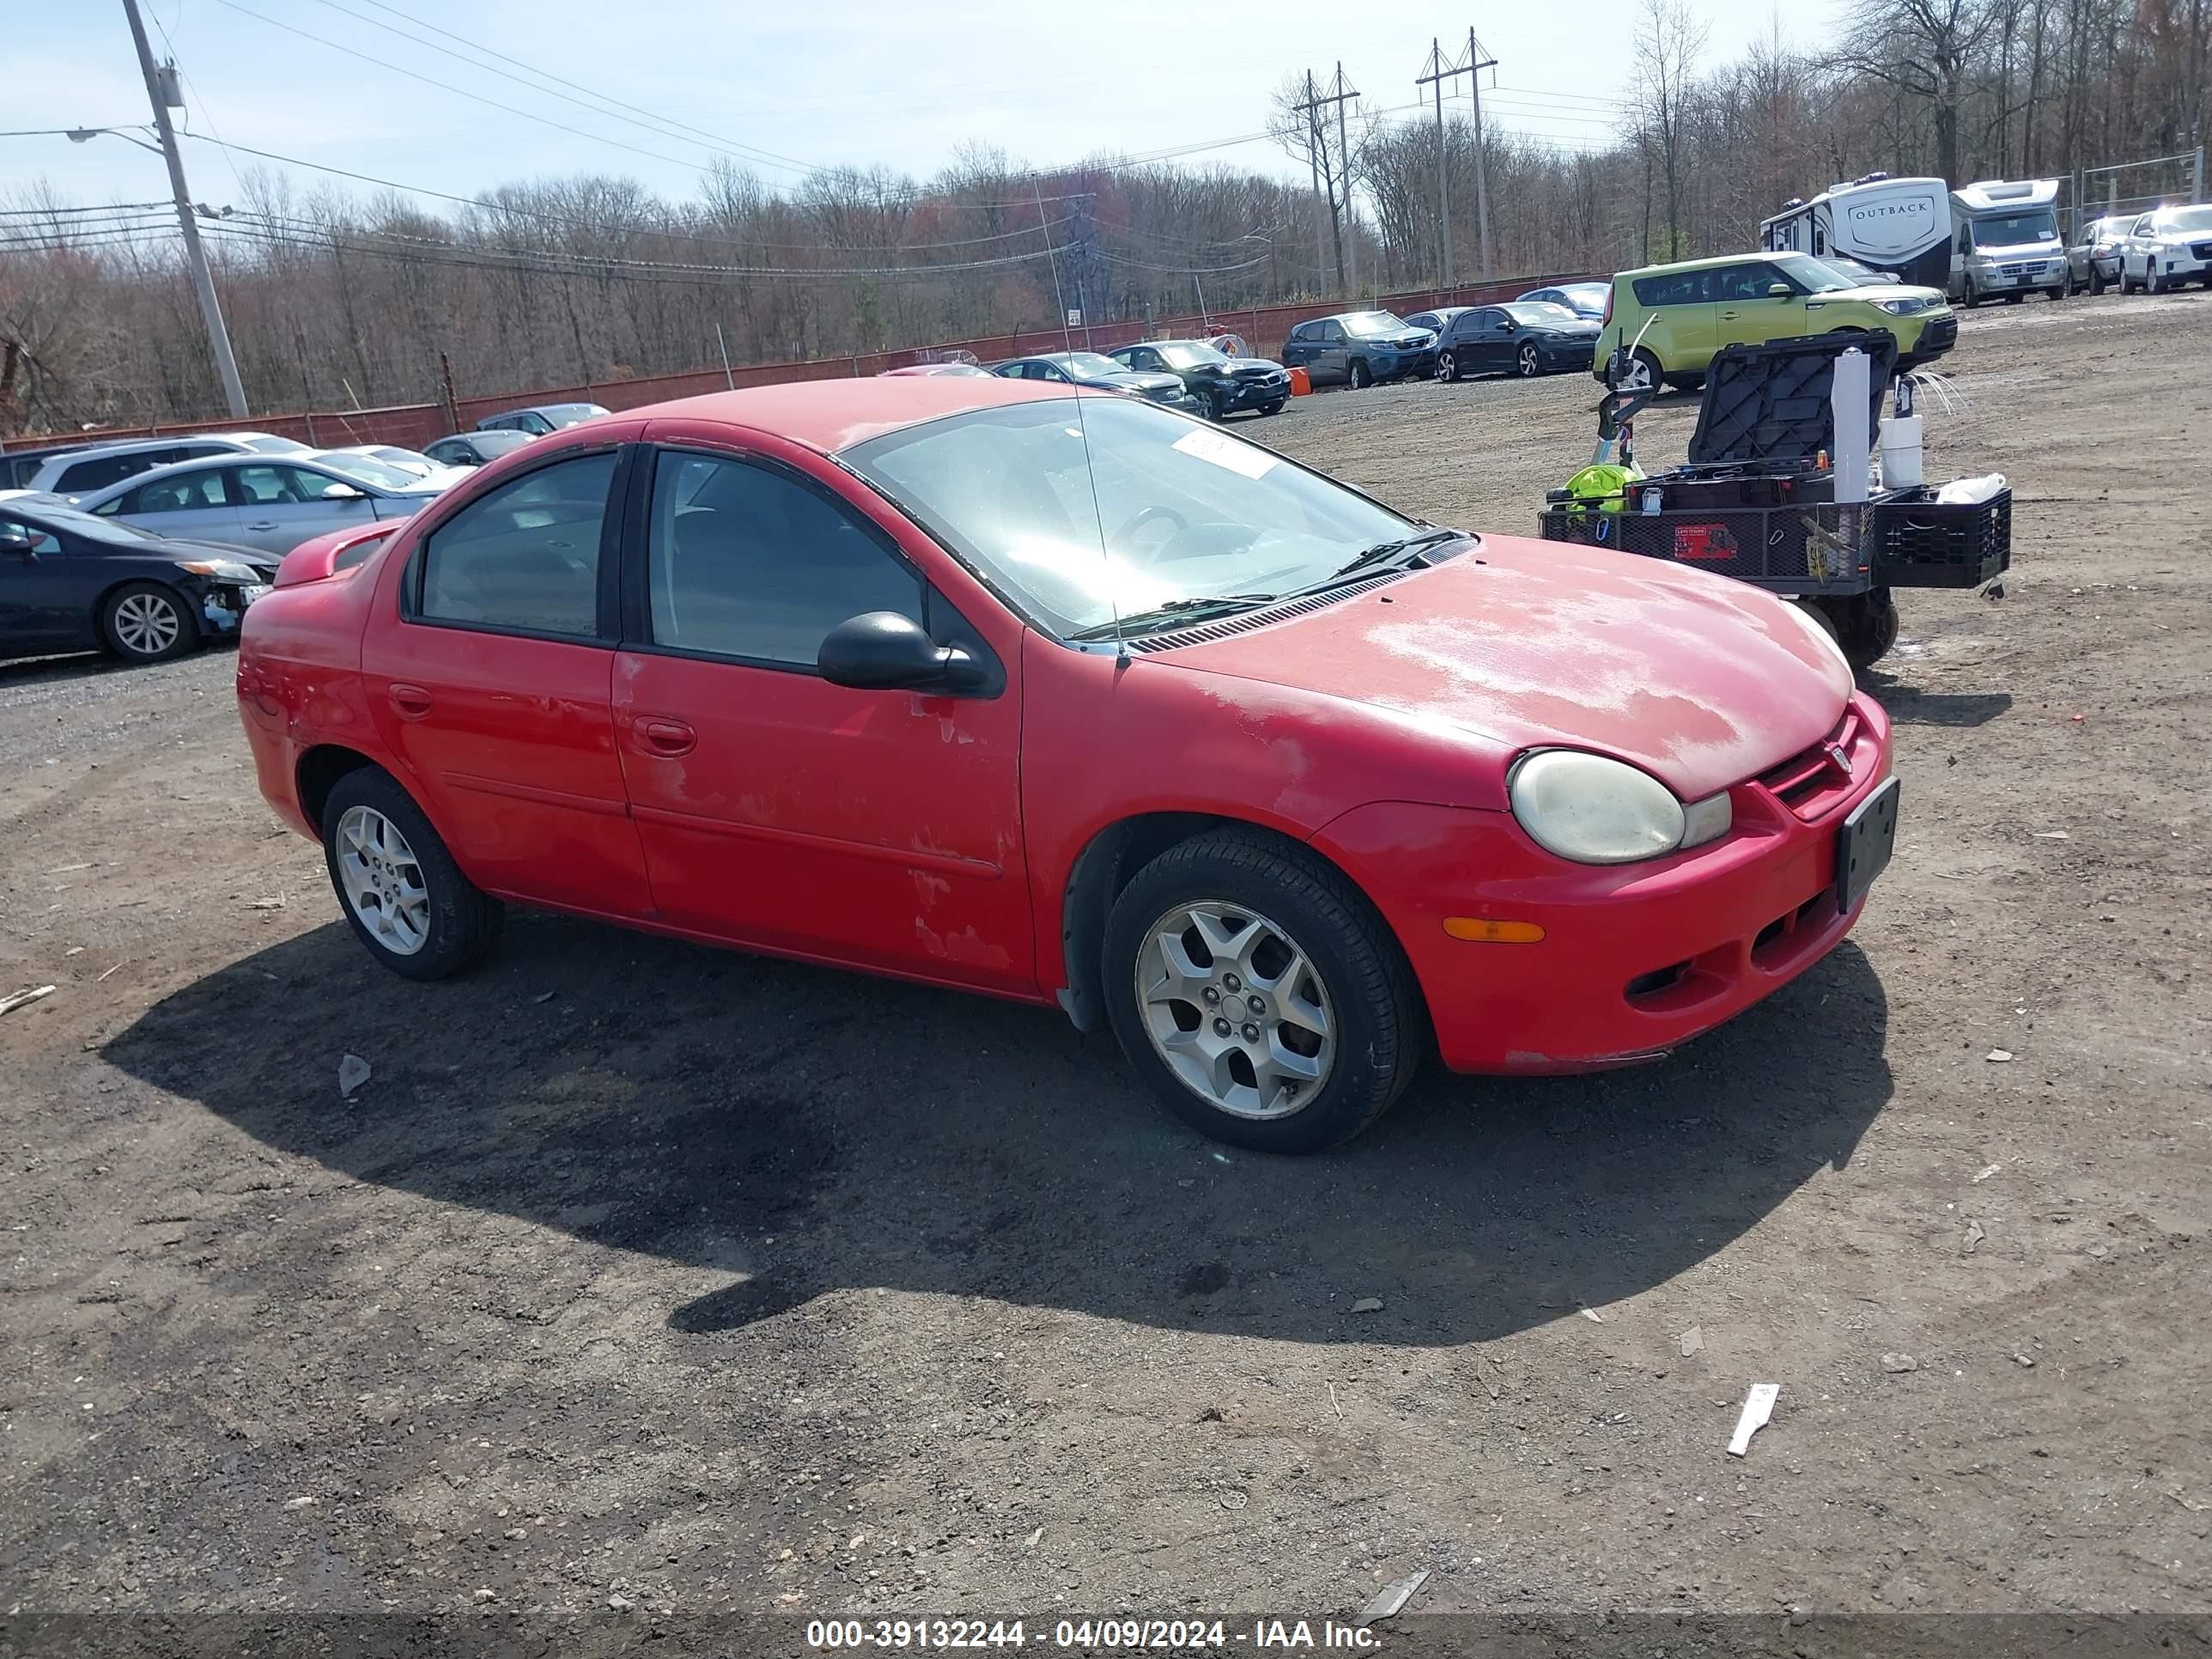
x,y
1758,1407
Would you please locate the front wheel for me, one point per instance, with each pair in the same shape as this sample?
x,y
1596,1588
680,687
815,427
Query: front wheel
x,y
1361,378
402,893
1271,409
1259,995
1530,362
1447,366
2096,281
1641,374
145,622
1969,298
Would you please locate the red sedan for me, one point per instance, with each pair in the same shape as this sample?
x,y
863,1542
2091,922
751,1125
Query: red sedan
x,y
1075,700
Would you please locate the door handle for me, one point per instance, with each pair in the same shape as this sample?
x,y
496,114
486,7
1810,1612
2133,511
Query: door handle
x,y
265,524
665,737
409,702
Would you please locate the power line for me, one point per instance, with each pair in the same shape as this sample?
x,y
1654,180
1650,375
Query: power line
x,y
661,121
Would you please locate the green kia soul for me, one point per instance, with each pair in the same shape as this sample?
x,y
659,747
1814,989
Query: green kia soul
x,y
1674,318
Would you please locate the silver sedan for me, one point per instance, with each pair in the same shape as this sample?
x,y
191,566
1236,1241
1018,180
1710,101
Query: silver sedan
x,y
273,504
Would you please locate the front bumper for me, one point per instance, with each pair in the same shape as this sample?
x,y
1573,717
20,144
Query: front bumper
x,y
1938,334
1562,356
2018,275
2181,264
1636,959
1401,365
1253,394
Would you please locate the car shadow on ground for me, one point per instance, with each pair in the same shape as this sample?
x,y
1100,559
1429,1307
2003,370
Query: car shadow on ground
x,y
796,1131
1908,705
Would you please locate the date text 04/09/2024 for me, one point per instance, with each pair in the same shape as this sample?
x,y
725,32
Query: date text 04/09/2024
x,y
1089,1635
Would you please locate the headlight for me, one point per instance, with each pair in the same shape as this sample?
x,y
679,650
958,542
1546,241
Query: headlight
x,y
1898,307
1596,811
220,569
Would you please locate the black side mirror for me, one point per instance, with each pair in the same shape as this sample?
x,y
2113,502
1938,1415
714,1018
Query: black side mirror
x,y
14,538
883,651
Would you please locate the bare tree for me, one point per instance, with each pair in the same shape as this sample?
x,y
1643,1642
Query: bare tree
x,y
1926,48
1669,36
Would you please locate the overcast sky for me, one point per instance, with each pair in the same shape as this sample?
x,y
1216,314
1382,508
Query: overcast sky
x,y
781,86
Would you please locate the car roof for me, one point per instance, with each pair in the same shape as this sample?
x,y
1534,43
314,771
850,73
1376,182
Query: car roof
x,y
135,446
833,415
1762,256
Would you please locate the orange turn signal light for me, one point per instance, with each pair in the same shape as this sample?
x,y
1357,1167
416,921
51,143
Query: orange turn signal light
x,y
1480,931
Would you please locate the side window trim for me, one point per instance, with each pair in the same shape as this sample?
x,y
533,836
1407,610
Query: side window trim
x,y
941,617
411,579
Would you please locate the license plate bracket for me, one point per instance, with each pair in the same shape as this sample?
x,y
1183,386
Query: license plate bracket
x,y
1864,844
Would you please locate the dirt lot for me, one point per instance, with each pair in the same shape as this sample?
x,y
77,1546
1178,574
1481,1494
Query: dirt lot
x,y
643,1273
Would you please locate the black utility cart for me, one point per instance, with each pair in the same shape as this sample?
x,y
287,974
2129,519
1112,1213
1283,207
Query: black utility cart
x,y
1757,499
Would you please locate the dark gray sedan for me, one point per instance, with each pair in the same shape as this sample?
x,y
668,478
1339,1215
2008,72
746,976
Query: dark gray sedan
x,y
1093,369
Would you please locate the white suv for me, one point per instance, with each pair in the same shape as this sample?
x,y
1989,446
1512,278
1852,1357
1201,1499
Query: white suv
x,y
2167,247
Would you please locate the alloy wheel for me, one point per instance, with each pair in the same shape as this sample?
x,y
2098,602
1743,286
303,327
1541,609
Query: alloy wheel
x,y
148,624
383,882
1235,1009
1447,367
1531,364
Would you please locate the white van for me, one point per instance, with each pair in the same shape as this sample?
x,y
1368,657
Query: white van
x,y
2007,240
1898,225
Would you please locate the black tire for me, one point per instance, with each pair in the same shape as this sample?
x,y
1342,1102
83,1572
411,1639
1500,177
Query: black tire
x,y
2014,297
148,622
2060,293
2150,283
2096,281
1869,630
1271,409
1361,377
1530,363
465,921
1382,1028
1447,366
1212,398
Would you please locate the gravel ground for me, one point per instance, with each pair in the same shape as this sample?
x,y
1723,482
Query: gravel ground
x,y
644,1275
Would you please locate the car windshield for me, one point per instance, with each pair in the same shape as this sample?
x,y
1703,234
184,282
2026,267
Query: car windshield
x,y
1540,313
1189,356
69,521
1020,492
1368,324
1811,274
497,443
268,443
2013,229
369,471
1589,294
2188,218
406,460
569,414
1087,363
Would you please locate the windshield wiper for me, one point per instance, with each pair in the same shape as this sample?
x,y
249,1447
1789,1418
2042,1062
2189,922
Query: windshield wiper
x,y
1368,557
1184,609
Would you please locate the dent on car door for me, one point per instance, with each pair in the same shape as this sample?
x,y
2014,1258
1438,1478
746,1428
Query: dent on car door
x,y
487,665
874,828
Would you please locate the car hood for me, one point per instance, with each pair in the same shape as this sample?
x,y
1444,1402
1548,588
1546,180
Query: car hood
x,y
1583,328
176,548
1520,644
2021,250
1139,380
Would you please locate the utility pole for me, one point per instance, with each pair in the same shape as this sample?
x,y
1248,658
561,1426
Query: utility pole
x,y
1439,72
234,389
1476,63
1313,155
1344,171
1434,78
1339,177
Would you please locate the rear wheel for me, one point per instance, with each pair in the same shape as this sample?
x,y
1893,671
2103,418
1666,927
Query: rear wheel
x,y
1361,378
145,622
1530,362
1258,993
402,893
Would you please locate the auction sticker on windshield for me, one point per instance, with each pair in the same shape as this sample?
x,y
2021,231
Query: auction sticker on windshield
x,y
1207,446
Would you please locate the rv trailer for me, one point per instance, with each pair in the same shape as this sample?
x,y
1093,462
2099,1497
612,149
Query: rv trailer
x,y
1900,225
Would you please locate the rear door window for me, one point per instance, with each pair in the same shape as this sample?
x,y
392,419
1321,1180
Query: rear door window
x,y
1674,288
192,492
525,557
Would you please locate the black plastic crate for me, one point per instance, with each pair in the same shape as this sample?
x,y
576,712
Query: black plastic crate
x,y
1822,549
1772,402
1919,543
